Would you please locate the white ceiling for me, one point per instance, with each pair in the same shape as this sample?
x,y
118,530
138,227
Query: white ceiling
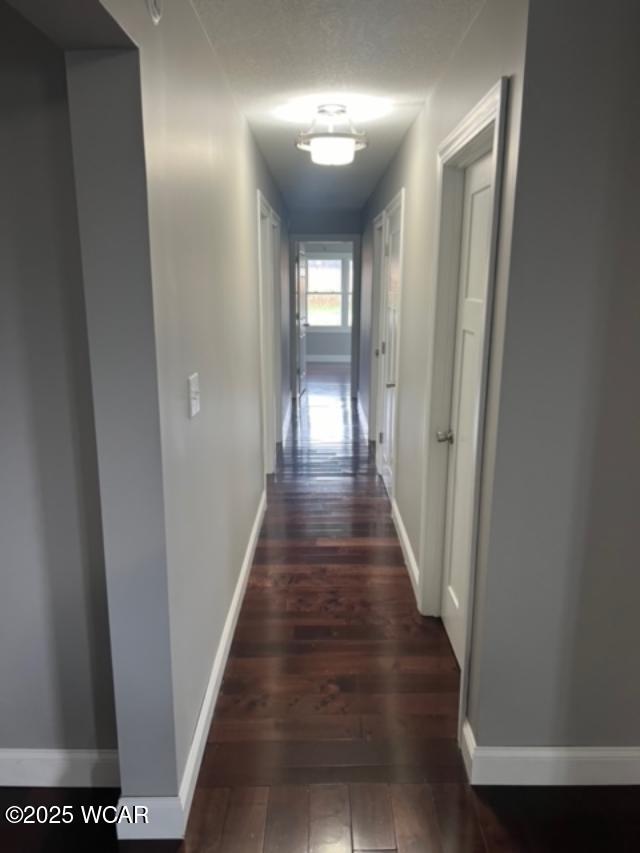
x,y
277,50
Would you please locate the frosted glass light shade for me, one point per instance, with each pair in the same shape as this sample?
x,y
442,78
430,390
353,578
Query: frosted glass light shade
x,y
332,150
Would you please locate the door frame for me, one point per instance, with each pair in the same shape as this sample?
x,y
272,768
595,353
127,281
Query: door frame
x,y
397,202
481,132
269,330
296,335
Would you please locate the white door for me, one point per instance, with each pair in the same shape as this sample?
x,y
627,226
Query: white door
x,y
375,414
302,321
267,344
466,398
390,343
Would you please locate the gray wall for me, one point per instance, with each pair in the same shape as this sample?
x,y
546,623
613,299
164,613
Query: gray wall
x,y
493,47
335,344
203,172
322,221
557,626
111,187
55,667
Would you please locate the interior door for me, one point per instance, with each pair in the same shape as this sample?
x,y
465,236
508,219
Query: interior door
x,y
302,320
375,409
466,399
267,340
389,345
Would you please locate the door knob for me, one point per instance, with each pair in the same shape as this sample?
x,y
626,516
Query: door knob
x,y
390,385
444,436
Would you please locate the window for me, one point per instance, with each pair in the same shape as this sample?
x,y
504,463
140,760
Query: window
x,y
329,291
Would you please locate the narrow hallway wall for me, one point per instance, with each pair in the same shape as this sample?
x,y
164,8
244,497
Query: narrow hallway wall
x,y
203,172
553,661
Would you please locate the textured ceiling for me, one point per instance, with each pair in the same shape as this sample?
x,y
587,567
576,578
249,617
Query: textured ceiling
x,y
276,50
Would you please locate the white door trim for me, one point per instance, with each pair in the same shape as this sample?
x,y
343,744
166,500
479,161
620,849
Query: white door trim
x,y
276,236
480,132
269,379
374,356
396,203
296,252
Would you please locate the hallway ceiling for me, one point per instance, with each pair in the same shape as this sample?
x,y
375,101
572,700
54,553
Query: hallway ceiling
x,y
274,51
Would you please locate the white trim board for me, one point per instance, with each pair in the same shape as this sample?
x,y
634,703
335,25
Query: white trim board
x,y
168,816
407,551
549,765
59,768
267,283
338,359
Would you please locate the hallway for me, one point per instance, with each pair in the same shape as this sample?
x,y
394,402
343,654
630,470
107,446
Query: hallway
x,y
337,693
243,239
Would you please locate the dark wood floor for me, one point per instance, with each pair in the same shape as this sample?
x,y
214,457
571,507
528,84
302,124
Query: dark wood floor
x,y
339,701
335,727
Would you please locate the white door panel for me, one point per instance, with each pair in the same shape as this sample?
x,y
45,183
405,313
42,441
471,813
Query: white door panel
x,y
267,254
302,322
390,341
465,407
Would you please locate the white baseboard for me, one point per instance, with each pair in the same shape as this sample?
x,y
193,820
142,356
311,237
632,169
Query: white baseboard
x,y
286,424
168,816
166,819
407,550
59,768
549,765
338,359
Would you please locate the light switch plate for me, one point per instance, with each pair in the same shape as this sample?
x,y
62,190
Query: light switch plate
x,y
194,395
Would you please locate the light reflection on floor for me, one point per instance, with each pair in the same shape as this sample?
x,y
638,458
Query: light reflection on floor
x,y
326,413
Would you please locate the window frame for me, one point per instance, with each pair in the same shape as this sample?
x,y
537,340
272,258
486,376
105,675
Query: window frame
x,y
346,258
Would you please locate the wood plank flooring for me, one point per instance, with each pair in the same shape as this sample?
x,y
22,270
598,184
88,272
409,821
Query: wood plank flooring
x,y
335,729
333,676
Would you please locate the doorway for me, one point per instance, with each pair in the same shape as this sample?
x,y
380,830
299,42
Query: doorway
x,y
460,436
325,274
269,322
469,180
302,322
388,235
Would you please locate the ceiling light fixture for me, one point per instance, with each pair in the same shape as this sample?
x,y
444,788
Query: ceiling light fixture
x,y
328,146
